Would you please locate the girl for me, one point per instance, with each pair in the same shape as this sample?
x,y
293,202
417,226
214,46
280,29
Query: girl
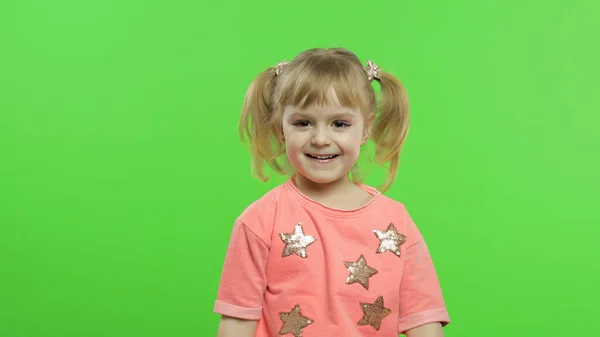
x,y
323,254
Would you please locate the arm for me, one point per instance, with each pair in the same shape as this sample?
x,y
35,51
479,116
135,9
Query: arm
x,y
422,310
233,327
243,283
427,330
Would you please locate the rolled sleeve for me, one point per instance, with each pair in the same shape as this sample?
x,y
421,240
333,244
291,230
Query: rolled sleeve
x,y
243,279
421,299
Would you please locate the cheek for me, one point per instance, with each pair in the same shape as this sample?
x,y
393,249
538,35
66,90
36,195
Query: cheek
x,y
293,140
352,140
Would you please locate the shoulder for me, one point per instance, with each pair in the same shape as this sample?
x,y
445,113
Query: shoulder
x,y
391,207
263,207
259,216
400,217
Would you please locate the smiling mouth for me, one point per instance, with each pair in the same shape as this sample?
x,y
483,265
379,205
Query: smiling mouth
x,y
321,157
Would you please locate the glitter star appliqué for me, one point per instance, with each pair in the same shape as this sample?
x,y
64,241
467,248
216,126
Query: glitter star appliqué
x,y
374,313
296,242
359,272
294,322
390,240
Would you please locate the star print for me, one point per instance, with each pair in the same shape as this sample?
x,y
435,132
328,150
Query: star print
x,y
390,240
296,242
359,272
293,322
374,313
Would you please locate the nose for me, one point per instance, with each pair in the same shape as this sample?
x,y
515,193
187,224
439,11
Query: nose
x,y
321,137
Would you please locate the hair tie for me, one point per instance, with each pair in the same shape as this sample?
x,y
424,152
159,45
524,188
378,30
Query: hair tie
x,y
279,67
373,71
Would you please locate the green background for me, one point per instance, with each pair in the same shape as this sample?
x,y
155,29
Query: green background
x,y
121,171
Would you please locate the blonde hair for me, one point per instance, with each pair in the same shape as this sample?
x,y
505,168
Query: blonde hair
x,y
307,80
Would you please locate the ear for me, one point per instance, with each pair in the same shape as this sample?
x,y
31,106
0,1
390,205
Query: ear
x,y
368,126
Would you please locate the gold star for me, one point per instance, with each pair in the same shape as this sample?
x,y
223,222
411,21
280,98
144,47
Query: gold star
x,y
359,272
390,240
296,243
294,322
374,313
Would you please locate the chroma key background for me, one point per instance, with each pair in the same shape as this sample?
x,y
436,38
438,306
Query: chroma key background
x,y
121,171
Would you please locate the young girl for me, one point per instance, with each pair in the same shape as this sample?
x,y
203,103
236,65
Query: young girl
x,y
323,254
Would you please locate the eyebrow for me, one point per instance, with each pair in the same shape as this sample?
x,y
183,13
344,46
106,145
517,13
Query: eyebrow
x,y
341,114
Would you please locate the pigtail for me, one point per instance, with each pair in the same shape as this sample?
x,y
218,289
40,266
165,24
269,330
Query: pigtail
x,y
256,127
391,127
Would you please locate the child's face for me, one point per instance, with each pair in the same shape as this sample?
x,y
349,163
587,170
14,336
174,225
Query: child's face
x,y
323,142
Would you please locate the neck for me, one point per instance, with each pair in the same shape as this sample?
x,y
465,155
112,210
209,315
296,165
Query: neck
x,y
313,189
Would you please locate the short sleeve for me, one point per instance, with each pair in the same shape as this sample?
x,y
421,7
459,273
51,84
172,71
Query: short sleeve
x,y
243,280
421,299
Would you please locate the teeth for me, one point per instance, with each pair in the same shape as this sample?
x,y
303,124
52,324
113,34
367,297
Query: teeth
x,y
328,157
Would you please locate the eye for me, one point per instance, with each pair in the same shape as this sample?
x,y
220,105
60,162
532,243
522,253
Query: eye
x,y
301,123
341,124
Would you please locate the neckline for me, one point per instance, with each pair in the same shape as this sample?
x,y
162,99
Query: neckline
x,y
331,211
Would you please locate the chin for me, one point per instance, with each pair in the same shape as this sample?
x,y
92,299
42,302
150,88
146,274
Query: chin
x,y
322,178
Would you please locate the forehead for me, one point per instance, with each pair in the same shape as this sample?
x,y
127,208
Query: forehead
x,y
331,104
321,110
335,85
